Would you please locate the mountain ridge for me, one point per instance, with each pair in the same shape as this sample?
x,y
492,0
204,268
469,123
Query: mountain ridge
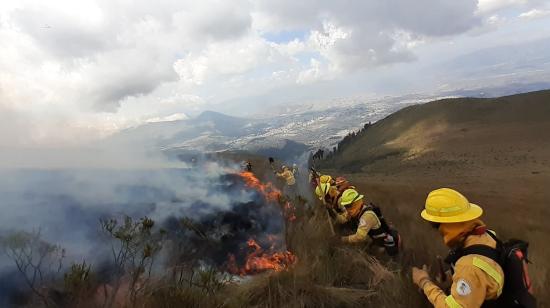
x,y
410,134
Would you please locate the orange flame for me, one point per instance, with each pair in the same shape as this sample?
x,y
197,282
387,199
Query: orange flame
x,y
269,191
257,260
289,211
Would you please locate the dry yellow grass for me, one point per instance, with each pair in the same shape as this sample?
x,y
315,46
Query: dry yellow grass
x,y
495,151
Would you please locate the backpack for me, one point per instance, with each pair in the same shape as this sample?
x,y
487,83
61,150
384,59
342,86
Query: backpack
x,y
512,257
384,226
391,241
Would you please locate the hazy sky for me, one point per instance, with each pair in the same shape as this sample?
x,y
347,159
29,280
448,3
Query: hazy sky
x,y
73,70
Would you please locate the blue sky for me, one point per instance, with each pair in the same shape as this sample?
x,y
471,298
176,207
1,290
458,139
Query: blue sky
x,y
285,36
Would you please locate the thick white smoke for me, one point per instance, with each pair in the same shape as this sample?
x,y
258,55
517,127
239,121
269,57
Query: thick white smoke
x,y
66,204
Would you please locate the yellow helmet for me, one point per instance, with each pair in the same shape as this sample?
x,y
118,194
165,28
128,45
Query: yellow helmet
x,y
325,179
446,205
322,190
349,196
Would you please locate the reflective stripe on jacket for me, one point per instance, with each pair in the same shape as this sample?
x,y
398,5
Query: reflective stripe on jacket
x,y
476,279
368,221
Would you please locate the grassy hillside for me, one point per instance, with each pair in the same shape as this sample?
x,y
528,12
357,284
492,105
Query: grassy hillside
x,y
455,132
495,151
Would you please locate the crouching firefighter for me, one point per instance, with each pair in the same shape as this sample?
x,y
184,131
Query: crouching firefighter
x,y
368,221
327,192
330,190
485,271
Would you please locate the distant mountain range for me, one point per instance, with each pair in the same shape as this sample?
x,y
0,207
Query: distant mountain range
x,y
292,132
295,130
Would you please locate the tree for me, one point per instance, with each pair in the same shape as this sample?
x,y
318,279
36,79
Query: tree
x,y
133,250
79,284
38,261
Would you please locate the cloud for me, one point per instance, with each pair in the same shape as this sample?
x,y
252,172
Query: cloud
x,y
64,33
20,129
214,20
14,130
111,51
534,14
488,6
109,64
311,74
223,60
364,34
350,50
120,74
172,117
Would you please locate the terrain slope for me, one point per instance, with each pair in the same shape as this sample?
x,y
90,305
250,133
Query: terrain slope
x,y
495,151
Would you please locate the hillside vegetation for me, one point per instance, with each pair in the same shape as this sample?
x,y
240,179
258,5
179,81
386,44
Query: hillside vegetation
x,y
458,132
496,151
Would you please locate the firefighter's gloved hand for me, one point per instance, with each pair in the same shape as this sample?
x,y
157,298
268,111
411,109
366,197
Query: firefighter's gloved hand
x,y
420,276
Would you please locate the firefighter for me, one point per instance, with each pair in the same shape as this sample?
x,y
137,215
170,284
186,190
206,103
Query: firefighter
x,y
326,191
313,179
342,184
477,278
330,190
368,221
288,176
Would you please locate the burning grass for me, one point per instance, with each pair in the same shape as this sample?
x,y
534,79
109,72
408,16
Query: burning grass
x,y
231,259
327,275
275,257
268,190
259,260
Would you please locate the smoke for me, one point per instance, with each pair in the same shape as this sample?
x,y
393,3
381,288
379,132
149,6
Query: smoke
x,y
66,206
63,191
67,203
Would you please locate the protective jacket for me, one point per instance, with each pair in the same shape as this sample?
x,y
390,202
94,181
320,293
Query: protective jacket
x,y
332,196
368,222
476,279
336,190
288,176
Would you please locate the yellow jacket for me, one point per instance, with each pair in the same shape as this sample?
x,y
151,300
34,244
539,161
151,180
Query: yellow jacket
x,y
288,176
476,278
367,221
332,196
